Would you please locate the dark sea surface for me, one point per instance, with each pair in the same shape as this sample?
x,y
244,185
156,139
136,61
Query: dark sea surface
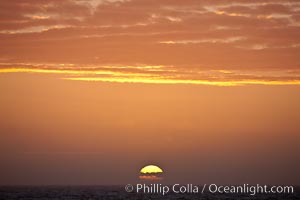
x,y
116,192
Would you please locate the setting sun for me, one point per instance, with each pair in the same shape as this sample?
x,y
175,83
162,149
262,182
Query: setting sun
x,y
151,169
151,173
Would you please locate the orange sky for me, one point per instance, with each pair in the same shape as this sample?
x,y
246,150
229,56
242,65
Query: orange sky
x,y
91,91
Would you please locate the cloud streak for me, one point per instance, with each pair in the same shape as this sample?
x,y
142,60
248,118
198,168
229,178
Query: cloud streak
x,y
158,74
188,39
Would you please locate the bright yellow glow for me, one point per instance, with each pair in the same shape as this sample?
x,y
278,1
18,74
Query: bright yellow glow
x,y
76,72
231,14
151,169
182,81
52,71
155,75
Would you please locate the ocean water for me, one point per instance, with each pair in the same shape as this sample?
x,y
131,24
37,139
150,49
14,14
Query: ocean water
x,y
115,193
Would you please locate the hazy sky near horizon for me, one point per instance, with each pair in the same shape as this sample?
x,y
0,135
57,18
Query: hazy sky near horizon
x,y
91,91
